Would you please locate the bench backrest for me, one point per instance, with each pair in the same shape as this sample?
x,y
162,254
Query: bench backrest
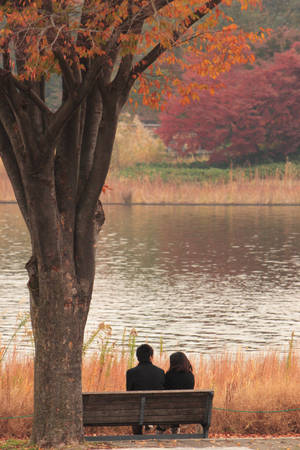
x,y
147,407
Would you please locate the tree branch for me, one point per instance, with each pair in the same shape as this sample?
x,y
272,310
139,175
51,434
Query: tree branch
x,y
89,139
102,155
144,13
47,6
31,137
71,104
134,21
66,70
32,95
67,162
154,54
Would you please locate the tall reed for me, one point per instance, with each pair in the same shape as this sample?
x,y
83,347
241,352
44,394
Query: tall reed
x,y
242,382
238,187
271,189
6,190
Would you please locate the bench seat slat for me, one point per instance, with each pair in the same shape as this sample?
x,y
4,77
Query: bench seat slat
x,y
194,416
163,402
193,412
102,420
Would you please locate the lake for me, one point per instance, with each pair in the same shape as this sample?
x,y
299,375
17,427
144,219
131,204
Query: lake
x,y
196,278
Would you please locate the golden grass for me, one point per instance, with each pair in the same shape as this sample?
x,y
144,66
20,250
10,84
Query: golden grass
x,y
254,192
6,190
16,395
238,190
267,191
260,382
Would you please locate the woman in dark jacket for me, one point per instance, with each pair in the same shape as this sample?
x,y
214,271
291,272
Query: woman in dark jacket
x,y
179,376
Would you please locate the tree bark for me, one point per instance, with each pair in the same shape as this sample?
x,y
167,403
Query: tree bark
x,y
59,304
57,316
59,296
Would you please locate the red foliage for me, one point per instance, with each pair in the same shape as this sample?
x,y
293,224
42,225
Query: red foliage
x,y
255,113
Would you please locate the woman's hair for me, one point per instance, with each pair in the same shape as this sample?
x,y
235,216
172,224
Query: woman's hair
x,y
180,363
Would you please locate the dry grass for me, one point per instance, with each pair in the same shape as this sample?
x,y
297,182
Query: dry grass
x,y
239,190
135,144
258,383
6,191
261,382
269,190
16,395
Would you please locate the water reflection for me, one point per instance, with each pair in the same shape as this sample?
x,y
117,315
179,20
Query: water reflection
x,y
203,278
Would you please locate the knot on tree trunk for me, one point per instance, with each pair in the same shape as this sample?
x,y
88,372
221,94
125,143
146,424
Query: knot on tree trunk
x,y
99,217
33,282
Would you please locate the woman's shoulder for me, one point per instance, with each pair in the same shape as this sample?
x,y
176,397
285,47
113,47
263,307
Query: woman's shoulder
x,y
179,373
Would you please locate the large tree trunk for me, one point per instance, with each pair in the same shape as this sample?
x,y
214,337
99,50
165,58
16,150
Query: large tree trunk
x,y
60,295
59,301
57,179
58,318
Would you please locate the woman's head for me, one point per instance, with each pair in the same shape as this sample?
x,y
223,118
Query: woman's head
x,y
180,363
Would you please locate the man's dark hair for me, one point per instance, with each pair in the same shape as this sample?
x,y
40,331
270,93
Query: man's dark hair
x,y
144,353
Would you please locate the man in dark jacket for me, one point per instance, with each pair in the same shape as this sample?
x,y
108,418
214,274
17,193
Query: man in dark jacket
x,y
144,377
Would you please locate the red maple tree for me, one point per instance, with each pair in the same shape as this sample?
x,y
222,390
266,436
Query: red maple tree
x,y
254,114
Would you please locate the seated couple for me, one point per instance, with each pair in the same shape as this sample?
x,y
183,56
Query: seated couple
x,y
147,377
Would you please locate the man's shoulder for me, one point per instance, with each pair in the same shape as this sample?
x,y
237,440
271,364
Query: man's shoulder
x,y
145,367
133,369
158,369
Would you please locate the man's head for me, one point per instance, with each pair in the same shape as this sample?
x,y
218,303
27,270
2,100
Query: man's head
x,y
144,353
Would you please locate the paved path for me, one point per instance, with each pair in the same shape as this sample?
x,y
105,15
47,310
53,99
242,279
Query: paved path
x,y
205,444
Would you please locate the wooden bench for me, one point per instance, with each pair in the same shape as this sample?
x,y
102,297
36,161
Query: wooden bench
x,y
148,408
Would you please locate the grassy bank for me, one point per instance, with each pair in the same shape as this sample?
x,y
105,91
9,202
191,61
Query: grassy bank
x,y
267,185
189,170
193,183
259,383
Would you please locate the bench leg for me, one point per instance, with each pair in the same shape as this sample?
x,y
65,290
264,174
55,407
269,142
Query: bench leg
x,y
205,432
137,429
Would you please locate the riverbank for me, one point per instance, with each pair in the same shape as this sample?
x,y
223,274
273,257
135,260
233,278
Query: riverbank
x,y
196,184
188,184
244,192
254,394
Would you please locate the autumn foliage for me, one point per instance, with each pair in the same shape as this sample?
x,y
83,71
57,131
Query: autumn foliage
x,y
253,115
50,37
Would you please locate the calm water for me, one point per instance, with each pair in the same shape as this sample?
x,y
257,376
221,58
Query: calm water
x,y
202,278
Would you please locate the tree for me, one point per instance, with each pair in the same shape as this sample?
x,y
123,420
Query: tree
x,y
254,116
58,160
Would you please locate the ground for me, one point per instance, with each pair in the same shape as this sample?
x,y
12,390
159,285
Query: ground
x,y
267,443
284,443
